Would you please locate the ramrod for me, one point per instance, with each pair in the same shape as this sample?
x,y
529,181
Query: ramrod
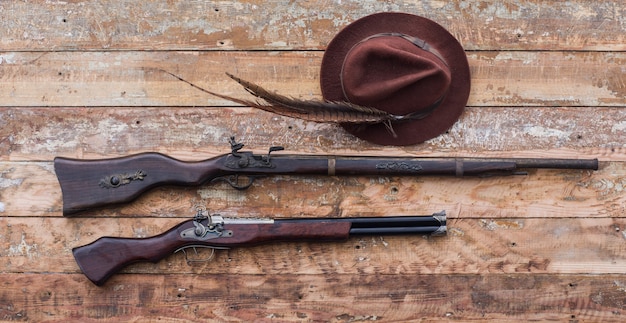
x,y
92,183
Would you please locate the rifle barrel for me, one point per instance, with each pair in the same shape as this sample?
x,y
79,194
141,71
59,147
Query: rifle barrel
x,y
557,163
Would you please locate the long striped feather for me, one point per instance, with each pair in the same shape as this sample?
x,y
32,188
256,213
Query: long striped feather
x,y
310,110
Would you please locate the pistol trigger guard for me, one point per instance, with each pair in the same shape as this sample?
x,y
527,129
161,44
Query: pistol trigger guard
x,y
191,261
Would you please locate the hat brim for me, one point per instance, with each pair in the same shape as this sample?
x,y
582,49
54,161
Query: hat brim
x,y
407,132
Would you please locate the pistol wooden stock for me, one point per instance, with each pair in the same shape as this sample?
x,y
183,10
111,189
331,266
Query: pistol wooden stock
x,y
88,184
107,255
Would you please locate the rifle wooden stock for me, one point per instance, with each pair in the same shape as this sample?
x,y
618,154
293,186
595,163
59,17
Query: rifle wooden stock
x,y
83,182
87,184
107,255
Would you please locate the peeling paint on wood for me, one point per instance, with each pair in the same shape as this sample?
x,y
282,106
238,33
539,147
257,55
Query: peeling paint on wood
x,y
200,133
247,25
83,79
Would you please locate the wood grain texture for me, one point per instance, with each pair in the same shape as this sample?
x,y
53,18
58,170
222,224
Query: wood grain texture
x,y
84,80
33,190
315,298
472,246
287,25
135,78
32,134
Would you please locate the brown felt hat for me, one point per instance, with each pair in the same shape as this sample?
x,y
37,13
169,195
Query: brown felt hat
x,y
403,64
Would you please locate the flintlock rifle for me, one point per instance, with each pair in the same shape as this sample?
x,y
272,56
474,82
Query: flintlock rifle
x,y
87,184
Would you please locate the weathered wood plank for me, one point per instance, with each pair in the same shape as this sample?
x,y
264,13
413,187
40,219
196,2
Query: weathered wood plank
x,y
81,79
314,298
31,189
248,25
473,246
134,78
40,134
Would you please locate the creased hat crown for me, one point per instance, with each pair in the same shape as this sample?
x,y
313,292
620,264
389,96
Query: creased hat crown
x,y
393,74
403,64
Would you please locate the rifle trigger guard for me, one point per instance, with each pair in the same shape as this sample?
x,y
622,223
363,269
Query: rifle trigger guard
x,y
233,180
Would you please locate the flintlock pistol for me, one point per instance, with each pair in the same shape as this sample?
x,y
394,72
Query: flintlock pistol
x,y
107,255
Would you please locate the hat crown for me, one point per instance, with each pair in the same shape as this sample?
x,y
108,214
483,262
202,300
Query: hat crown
x,y
414,68
396,73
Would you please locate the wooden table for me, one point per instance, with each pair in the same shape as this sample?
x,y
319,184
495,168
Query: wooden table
x,y
84,80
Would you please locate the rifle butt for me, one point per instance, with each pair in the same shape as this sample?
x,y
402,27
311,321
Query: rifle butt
x,y
87,184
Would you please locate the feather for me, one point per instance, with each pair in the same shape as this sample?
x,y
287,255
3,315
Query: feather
x,y
310,110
